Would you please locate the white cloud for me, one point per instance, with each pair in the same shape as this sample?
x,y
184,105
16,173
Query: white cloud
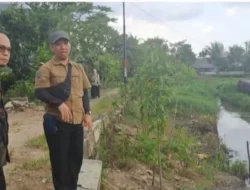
x,y
174,31
208,29
146,29
214,23
231,11
198,24
160,10
203,26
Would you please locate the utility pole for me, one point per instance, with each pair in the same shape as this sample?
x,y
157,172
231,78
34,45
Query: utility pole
x,y
124,60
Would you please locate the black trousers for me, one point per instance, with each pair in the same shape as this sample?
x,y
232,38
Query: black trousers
x,y
95,91
66,155
98,91
2,180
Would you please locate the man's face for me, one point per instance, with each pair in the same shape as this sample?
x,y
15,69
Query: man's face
x,y
4,50
61,49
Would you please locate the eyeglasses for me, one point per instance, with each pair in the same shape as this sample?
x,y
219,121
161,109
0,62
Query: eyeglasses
x,y
4,48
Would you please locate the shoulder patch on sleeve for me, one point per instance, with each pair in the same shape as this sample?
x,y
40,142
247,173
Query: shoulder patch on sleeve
x,y
38,75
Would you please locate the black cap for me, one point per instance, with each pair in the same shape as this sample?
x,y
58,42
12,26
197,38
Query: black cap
x,y
58,35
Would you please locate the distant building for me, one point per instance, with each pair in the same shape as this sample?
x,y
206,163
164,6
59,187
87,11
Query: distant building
x,y
238,64
202,66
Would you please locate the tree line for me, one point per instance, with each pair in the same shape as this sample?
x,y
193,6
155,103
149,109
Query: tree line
x,y
94,42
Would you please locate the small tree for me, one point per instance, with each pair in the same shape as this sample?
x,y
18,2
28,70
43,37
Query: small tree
x,y
109,68
153,88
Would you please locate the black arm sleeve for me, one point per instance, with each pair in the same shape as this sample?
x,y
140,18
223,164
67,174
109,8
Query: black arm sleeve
x,y
85,101
43,95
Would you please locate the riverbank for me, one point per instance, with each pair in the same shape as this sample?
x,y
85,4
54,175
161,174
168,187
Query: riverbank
x,y
229,93
205,115
192,155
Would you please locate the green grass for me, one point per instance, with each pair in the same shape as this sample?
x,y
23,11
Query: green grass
x,y
104,105
200,96
35,164
38,142
229,93
238,168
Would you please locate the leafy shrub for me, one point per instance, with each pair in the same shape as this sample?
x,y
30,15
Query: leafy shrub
x,y
21,89
110,70
228,92
238,168
182,146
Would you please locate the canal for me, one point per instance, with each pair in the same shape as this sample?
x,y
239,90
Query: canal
x,y
234,130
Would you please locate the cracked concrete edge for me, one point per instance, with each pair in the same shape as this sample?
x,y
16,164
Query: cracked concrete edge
x,y
92,137
90,175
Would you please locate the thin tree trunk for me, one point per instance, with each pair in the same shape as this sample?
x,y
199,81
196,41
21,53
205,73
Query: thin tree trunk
x,y
153,180
159,158
160,166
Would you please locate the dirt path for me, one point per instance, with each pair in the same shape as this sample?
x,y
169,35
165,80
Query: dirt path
x,y
104,93
23,126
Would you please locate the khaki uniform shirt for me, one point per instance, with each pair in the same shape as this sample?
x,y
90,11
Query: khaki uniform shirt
x,y
54,72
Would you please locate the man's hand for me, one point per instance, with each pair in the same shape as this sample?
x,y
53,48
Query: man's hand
x,y
65,112
87,121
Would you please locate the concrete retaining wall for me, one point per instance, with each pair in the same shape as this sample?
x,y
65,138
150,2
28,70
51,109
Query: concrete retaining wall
x,y
92,137
91,171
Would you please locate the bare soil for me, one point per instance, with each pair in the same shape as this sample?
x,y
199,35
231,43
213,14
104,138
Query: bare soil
x,y
28,124
138,176
23,126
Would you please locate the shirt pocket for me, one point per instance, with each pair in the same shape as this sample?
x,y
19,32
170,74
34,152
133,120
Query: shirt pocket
x,y
57,78
76,84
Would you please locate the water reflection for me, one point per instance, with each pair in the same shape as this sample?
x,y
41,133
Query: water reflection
x,y
234,130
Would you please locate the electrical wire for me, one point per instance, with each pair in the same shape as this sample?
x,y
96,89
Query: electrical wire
x,y
167,25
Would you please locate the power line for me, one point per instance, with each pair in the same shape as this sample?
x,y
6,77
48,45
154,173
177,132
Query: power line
x,y
167,25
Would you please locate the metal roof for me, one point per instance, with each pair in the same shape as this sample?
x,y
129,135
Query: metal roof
x,y
202,63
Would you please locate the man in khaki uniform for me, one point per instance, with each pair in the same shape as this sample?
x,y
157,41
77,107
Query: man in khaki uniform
x,y
67,110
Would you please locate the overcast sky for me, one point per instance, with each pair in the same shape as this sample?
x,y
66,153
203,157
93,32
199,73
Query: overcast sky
x,y
199,23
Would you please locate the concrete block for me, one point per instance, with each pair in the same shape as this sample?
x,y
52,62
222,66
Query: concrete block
x,y
85,149
91,142
92,137
105,119
90,175
97,130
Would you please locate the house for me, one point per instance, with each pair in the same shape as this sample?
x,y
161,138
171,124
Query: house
x,y
238,64
202,66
